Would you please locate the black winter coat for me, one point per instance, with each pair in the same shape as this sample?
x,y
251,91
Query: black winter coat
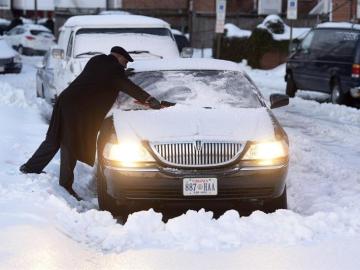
x,y
81,108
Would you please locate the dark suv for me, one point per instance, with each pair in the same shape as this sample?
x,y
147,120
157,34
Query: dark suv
x,y
327,60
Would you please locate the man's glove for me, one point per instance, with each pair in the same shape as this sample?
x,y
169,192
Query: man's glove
x,y
153,103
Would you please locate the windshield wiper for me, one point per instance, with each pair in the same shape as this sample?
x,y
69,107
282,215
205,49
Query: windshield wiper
x,y
145,52
88,53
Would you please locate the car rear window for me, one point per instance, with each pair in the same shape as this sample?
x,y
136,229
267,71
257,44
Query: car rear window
x,y
37,32
205,88
335,42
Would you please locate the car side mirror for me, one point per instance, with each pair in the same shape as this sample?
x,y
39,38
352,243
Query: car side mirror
x,y
278,100
57,53
187,52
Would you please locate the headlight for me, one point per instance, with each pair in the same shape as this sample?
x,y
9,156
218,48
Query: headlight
x,y
129,154
17,59
267,153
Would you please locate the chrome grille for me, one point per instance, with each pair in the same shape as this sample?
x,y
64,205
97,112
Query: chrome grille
x,y
198,153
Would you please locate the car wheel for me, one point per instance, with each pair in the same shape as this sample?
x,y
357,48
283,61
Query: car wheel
x,y
106,202
337,95
280,202
290,85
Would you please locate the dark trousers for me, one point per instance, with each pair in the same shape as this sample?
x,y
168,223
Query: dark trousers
x,y
44,154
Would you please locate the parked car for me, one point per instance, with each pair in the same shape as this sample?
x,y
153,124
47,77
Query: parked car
x,y
219,147
10,60
45,79
4,24
30,39
83,37
327,60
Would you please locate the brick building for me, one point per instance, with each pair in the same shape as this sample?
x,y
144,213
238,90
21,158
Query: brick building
x,y
344,10
194,16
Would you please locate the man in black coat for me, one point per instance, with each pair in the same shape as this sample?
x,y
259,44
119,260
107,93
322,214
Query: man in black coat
x,y
79,112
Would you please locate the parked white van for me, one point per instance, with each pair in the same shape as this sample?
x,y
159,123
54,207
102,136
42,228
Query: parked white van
x,y
82,37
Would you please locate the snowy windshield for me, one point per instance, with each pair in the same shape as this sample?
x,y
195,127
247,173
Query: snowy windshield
x,y
205,88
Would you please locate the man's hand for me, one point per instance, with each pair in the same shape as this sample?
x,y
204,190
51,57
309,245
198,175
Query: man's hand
x,y
153,103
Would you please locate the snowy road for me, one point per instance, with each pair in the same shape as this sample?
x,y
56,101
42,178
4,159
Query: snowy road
x,y
43,227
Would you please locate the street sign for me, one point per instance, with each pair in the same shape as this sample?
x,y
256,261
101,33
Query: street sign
x,y
220,16
5,4
292,7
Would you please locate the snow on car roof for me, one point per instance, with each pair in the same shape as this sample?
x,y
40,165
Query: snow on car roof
x,y
115,20
339,25
185,64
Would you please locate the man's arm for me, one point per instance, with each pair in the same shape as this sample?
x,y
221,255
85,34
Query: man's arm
x,y
130,88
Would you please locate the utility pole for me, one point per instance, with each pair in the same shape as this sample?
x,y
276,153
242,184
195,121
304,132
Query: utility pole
x,y
291,14
36,11
219,25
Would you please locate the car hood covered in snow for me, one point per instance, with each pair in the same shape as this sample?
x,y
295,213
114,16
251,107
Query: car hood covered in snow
x,y
184,123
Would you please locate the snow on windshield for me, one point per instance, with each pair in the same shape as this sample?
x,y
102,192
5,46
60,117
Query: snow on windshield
x,y
209,88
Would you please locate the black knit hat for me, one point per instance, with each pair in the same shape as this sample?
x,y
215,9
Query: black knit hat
x,y
123,52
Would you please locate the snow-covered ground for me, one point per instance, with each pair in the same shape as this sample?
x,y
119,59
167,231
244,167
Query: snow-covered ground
x,y
42,227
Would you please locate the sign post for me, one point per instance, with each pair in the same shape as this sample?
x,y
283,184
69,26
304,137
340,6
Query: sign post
x,y
291,15
220,22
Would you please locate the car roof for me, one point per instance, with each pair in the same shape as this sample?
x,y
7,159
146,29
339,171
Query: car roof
x,y
184,64
115,20
339,25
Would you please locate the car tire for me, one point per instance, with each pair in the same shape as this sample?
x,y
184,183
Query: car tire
x,y
290,86
337,95
280,202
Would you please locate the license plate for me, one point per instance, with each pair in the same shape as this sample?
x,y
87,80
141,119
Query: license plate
x,y
2,69
200,186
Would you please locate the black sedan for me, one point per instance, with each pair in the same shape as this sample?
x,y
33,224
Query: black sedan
x,y
219,148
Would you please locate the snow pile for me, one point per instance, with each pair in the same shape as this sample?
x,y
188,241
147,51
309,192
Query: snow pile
x,y
285,35
12,96
234,31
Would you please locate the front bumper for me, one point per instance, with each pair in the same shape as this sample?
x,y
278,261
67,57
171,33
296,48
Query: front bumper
x,y
163,187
